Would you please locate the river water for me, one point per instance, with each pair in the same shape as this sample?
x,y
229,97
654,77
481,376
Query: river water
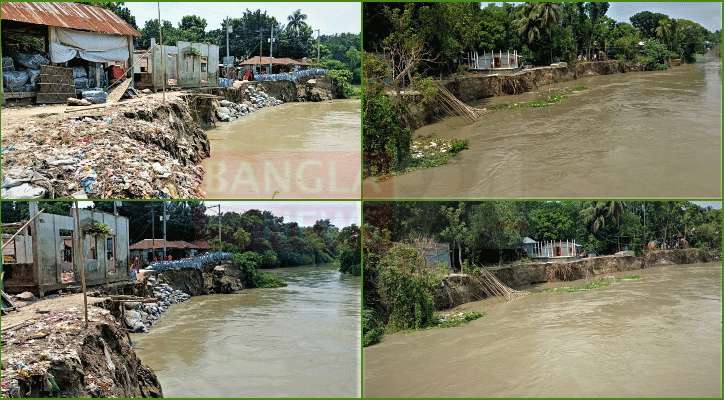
x,y
302,340
643,134
292,151
658,336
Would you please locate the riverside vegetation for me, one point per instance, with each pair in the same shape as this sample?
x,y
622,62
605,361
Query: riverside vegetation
x,y
410,44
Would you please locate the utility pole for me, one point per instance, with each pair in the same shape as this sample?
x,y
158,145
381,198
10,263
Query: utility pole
x,y
318,52
163,55
227,45
164,230
271,48
80,258
220,248
153,232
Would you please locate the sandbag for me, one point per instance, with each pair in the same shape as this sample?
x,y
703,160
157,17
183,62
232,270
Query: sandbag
x,y
79,72
8,64
95,96
15,81
81,83
31,60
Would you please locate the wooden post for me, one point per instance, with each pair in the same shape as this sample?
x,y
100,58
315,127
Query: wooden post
x,y
80,258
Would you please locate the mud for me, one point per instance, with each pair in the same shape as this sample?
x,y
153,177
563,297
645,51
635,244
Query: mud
x,y
222,278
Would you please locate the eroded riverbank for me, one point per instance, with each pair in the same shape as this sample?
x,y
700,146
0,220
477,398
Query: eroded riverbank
x,y
658,336
642,134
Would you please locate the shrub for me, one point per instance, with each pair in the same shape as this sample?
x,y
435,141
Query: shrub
x,y
250,262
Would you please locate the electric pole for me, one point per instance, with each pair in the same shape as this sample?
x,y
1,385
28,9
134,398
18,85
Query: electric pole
x,y
164,230
163,55
220,227
228,29
153,233
318,46
271,48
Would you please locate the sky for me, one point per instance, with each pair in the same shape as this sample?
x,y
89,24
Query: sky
x,y
305,213
329,18
705,14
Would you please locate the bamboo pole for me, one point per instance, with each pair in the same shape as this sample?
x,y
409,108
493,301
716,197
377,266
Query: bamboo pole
x,y
20,230
82,268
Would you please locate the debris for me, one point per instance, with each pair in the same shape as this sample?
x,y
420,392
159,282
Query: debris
x,y
145,149
78,102
25,296
95,96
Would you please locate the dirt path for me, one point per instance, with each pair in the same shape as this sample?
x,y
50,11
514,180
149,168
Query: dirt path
x,y
50,305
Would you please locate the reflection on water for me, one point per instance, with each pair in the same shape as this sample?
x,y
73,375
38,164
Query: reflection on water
x,y
299,341
296,150
659,336
644,134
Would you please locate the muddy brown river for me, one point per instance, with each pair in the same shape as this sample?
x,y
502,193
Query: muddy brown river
x,y
643,134
658,336
299,341
292,151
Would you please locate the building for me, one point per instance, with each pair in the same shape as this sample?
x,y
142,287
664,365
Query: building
x,y
149,249
43,257
438,256
259,64
552,250
188,65
72,35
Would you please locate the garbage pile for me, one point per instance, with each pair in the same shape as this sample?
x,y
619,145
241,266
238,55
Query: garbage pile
x,y
21,73
229,111
140,150
31,351
197,262
53,355
140,317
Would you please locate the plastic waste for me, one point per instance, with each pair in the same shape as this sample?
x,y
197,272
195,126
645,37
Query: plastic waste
x,y
31,60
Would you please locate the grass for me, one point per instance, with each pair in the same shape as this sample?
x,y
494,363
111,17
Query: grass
x,y
553,98
428,153
457,318
593,285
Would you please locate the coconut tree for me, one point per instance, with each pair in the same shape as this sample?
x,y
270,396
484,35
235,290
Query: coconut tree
x,y
535,18
666,31
296,21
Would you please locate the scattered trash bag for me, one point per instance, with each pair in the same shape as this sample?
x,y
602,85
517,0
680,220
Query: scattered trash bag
x,y
8,64
32,61
15,81
29,87
81,83
95,96
79,72
24,191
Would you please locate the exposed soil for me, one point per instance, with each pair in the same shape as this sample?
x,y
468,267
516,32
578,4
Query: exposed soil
x,y
54,355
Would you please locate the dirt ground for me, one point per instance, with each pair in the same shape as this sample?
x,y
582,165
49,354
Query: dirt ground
x,y
49,305
15,116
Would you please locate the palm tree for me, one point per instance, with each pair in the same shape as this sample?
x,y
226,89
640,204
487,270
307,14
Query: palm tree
x,y
595,216
535,18
296,21
666,31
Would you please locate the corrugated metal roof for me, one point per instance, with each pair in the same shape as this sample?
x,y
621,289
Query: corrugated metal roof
x,y
67,15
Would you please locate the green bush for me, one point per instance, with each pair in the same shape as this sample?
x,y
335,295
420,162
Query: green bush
x,y
350,261
371,331
342,79
407,293
250,263
656,55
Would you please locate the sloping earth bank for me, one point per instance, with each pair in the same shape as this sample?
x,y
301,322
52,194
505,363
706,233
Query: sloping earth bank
x,y
144,149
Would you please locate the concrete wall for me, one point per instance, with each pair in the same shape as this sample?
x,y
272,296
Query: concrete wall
x,y
187,70
49,233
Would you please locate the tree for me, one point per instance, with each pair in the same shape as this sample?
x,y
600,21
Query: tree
x,y
647,22
296,21
456,230
535,19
